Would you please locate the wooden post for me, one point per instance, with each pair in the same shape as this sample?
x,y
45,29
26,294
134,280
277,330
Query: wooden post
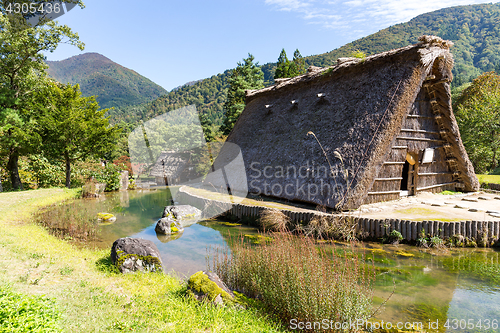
x,y
393,225
474,229
425,226
419,228
447,230
413,230
372,228
397,225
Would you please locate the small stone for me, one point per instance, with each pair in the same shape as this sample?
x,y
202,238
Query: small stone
x,y
437,204
449,203
483,198
495,215
470,199
496,198
492,212
461,207
473,210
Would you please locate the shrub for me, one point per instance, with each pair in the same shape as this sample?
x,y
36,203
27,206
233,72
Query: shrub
x,y
273,220
394,237
330,226
84,170
295,280
435,241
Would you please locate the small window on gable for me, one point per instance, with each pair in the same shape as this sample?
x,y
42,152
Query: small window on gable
x,y
428,155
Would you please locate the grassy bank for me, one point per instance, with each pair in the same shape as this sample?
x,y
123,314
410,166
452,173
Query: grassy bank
x,y
88,296
494,179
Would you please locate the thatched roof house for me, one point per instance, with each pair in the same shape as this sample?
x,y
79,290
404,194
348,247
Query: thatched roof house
x,y
171,168
364,130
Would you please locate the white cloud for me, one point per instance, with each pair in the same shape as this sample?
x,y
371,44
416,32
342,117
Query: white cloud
x,y
375,14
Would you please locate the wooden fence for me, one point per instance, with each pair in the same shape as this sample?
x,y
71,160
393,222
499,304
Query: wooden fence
x,y
411,230
372,228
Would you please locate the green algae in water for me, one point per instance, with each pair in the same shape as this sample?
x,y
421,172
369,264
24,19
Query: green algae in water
x,y
485,268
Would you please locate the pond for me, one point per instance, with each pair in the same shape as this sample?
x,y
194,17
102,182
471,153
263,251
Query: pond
x,y
457,287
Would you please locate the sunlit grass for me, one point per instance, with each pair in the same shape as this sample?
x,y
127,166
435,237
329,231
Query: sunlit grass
x,y
89,294
494,179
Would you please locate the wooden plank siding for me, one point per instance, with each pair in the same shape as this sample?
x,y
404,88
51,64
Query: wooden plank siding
x,y
419,131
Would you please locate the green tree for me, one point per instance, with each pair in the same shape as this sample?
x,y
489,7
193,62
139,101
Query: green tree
x,y
245,76
21,69
283,66
478,115
298,65
73,127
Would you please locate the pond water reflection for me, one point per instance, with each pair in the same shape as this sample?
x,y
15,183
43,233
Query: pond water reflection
x,y
429,285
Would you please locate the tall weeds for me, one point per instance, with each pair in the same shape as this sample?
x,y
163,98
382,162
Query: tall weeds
x,y
296,280
69,221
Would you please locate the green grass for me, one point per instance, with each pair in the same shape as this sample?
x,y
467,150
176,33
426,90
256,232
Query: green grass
x,y
88,293
22,313
494,179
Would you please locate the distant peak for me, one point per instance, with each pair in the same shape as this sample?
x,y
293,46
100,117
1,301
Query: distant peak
x,y
89,56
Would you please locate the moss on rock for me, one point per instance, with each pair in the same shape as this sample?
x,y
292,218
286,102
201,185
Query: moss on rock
x,y
200,287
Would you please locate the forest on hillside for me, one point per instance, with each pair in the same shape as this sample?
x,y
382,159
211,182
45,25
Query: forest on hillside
x,y
474,29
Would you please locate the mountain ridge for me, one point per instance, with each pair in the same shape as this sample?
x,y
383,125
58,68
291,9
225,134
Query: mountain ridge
x,y
115,85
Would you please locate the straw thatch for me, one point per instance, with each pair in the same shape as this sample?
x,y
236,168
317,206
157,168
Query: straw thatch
x,y
170,167
340,136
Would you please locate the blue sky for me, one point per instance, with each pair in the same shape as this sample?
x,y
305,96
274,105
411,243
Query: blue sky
x,y
174,42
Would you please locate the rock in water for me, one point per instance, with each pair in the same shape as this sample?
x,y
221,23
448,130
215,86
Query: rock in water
x,y
207,286
168,226
136,254
183,213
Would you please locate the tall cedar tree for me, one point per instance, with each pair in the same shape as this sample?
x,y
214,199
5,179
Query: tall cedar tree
x,y
73,127
286,68
21,69
478,115
298,65
245,76
283,66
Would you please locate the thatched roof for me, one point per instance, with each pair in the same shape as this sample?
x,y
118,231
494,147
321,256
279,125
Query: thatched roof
x,y
355,110
170,164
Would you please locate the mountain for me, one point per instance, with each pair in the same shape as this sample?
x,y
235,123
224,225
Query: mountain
x,y
474,29
114,84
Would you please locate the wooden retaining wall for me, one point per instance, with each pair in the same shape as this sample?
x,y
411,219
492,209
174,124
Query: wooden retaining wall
x,y
410,230
372,228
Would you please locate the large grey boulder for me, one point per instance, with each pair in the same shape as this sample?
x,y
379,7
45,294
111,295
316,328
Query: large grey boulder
x,y
168,226
185,214
136,254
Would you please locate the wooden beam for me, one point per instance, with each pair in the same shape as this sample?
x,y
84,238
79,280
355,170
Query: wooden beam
x,y
393,163
419,116
419,139
418,131
435,173
434,186
388,179
399,147
386,192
